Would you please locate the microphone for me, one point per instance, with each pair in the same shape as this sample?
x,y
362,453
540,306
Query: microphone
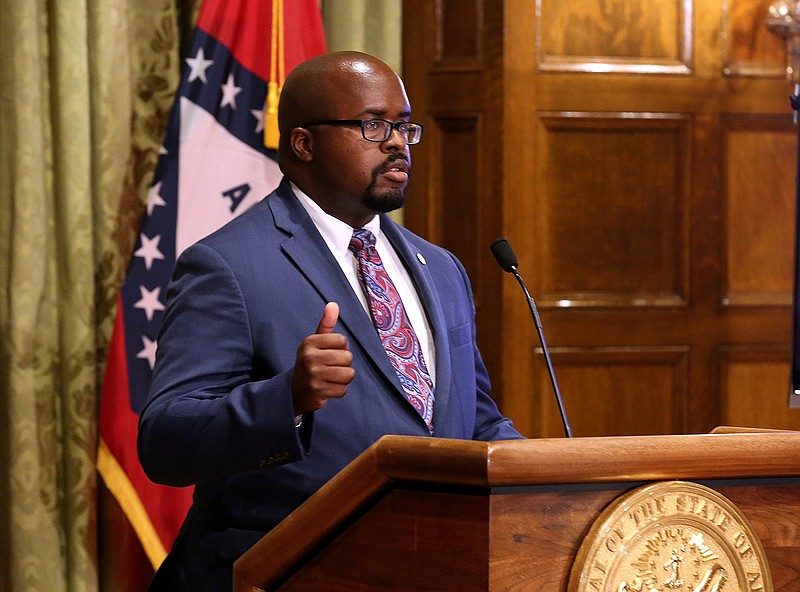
x,y
502,251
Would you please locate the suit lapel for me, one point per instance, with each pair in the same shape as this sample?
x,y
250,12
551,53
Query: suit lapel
x,y
305,247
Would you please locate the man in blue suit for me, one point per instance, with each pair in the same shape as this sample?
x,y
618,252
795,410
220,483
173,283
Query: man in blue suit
x,y
270,374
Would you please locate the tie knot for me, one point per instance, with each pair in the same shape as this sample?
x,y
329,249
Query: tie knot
x,y
362,238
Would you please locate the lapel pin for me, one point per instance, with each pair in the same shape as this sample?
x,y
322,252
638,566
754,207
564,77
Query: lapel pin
x,y
421,259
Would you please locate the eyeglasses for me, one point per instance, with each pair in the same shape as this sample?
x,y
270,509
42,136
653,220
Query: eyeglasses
x,y
378,130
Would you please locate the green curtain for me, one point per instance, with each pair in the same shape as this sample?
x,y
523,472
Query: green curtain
x,y
85,90
372,26
85,93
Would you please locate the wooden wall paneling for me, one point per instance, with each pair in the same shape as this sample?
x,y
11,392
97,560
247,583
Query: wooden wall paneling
x,y
656,36
749,49
458,30
615,193
622,391
612,224
755,387
458,181
639,157
759,196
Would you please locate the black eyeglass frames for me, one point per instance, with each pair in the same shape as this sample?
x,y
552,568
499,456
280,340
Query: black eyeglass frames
x,y
378,130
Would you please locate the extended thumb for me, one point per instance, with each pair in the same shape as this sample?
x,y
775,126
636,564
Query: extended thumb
x,y
329,317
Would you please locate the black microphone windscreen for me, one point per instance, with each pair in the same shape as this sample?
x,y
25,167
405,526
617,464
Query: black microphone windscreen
x,y
502,251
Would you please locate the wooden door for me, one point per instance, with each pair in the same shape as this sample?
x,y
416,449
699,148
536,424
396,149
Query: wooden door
x,y
640,156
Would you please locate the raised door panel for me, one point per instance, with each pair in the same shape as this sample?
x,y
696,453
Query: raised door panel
x,y
610,391
758,206
749,49
755,387
613,201
656,36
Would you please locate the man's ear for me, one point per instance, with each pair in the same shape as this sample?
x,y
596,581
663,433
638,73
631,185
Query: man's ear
x,y
301,142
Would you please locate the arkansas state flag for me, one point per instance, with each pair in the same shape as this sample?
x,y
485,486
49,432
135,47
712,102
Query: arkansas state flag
x,y
213,167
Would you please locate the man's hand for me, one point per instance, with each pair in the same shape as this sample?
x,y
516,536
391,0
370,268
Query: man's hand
x,y
322,368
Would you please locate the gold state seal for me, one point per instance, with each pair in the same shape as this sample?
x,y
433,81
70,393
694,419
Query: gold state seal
x,y
671,536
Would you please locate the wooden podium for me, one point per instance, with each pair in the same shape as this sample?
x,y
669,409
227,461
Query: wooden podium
x,y
439,515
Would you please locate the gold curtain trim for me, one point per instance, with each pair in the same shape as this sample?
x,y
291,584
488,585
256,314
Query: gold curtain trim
x,y
122,489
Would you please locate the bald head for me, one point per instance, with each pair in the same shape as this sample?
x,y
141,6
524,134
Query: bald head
x,y
323,87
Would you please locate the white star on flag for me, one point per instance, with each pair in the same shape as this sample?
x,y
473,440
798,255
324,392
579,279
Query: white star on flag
x,y
149,250
229,92
198,64
154,198
148,352
149,302
259,115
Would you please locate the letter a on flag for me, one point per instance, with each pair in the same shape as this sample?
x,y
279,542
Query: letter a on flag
x,y
214,166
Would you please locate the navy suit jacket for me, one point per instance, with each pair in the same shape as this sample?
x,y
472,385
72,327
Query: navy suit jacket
x,y
220,414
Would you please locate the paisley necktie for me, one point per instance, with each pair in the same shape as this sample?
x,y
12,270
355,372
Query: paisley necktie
x,y
394,329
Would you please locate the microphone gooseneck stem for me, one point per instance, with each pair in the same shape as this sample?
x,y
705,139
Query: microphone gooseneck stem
x,y
550,370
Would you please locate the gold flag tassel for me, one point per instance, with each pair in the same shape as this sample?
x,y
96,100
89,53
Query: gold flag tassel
x,y
276,77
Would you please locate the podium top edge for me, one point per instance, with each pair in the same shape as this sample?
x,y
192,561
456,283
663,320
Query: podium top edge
x,y
591,459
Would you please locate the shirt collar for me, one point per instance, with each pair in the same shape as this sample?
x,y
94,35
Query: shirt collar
x,y
337,234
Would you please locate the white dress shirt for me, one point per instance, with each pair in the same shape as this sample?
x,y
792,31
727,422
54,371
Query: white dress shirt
x,y
337,235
